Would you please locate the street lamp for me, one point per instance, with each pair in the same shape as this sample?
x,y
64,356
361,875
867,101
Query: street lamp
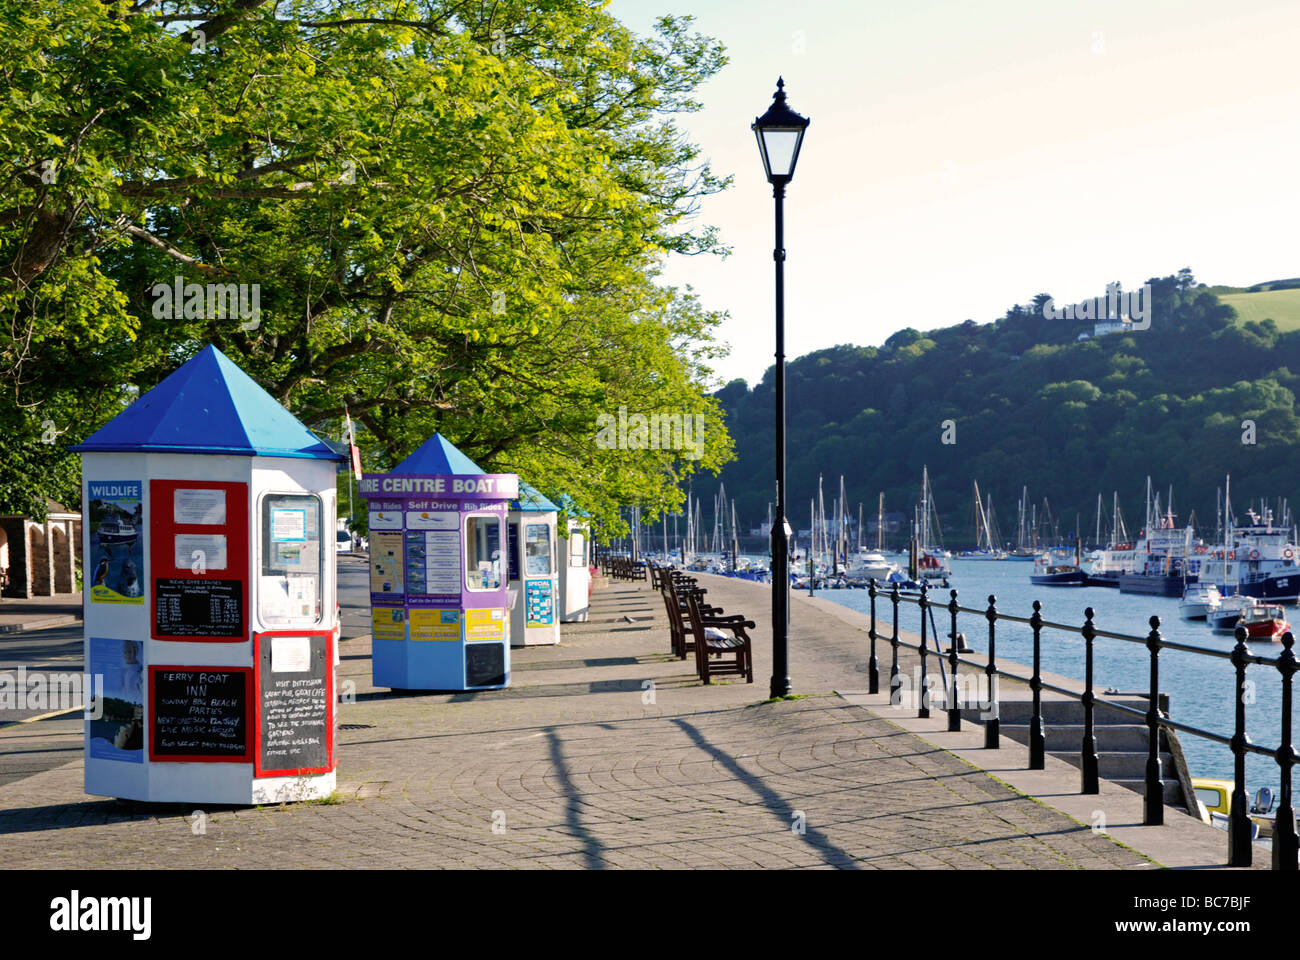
x,y
780,134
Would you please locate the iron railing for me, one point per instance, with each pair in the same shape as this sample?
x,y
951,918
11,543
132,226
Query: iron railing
x,y
1240,847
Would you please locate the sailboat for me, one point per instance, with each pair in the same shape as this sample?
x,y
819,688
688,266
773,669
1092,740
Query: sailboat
x,y
986,545
1025,549
931,559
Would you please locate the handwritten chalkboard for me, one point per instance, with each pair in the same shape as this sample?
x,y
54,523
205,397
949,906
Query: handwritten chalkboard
x,y
293,705
199,713
198,608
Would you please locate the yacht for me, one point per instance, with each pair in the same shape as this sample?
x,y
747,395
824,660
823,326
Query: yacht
x,y
1224,617
869,564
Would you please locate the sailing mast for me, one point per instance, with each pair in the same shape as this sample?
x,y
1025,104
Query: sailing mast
x,y
880,522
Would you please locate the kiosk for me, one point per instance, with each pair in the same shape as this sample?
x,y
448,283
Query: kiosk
x,y
438,593
575,564
534,580
210,621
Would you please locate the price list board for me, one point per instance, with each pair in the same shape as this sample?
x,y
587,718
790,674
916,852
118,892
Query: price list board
x,y
199,547
200,714
198,608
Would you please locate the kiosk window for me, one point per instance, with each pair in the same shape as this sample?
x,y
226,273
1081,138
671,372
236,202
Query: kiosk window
x,y
537,544
577,550
483,553
292,560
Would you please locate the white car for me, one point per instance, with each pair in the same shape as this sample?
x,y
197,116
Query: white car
x,y
343,542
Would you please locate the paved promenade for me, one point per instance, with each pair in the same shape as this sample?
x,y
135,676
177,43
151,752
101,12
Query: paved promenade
x,y
606,753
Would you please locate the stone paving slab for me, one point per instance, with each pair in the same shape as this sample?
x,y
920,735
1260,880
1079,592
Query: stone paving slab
x,y
606,752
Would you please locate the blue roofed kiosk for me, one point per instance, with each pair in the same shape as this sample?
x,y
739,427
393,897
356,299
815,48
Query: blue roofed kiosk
x,y
211,622
534,577
438,590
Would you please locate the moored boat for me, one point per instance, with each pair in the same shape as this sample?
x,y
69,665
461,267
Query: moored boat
x,y
1199,600
1264,622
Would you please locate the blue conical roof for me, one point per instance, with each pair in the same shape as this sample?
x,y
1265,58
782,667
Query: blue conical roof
x,y
530,499
209,405
437,455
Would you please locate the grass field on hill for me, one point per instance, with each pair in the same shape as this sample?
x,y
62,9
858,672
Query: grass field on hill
x,y
1282,305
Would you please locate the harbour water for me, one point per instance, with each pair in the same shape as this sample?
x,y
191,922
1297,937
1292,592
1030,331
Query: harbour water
x,y
1200,688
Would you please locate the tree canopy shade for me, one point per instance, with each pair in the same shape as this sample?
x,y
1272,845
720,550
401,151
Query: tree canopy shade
x,y
445,216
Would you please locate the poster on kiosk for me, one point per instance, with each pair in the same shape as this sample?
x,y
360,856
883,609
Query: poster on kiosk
x,y
438,594
210,620
534,576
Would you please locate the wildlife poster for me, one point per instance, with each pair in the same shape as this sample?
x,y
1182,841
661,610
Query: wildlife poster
x,y
116,668
116,563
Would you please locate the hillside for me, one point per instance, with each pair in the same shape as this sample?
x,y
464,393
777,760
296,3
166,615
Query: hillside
x,y
1034,406
1282,306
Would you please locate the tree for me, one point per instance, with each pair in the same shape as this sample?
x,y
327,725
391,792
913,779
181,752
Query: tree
x,y
453,217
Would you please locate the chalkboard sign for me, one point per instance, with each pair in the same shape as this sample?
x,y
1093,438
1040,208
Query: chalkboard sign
x,y
513,537
199,713
295,718
198,608
485,664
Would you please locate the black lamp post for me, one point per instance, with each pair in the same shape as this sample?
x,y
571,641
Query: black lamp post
x,y
780,134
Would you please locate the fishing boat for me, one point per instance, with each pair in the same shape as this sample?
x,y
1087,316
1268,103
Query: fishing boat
x,y
1258,559
1165,555
1264,622
1199,600
1049,574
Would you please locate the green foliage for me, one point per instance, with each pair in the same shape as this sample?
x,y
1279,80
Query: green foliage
x,y
455,214
1033,406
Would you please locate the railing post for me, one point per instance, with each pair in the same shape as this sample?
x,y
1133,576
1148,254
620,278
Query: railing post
x,y
1153,796
895,681
923,711
1037,735
1089,779
1285,845
954,708
1240,852
992,723
873,668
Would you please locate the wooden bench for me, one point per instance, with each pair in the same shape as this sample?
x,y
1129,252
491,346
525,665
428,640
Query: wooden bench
x,y
674,591
714,638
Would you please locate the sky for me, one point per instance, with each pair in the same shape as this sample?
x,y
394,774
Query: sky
x,y
963,157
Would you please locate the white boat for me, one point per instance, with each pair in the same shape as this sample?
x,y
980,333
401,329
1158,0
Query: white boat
x,y
869,564
1199,600
1223,619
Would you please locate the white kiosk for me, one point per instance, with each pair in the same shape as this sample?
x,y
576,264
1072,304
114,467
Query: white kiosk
x,y
210,621
575,564
534,580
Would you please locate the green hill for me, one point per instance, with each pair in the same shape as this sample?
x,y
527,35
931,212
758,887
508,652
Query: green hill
x,y
1281,306
1032,405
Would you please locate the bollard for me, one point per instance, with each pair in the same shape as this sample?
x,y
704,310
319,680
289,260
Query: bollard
x,y
1037,735
1089,777
1153,796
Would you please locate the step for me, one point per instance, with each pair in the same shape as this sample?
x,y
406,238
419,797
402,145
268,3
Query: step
x,y
1069,736
1118,765
1172,790
1059,711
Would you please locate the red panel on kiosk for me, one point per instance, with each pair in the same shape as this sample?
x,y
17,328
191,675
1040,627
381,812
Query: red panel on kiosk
x,y
204,714
264,687
209,606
